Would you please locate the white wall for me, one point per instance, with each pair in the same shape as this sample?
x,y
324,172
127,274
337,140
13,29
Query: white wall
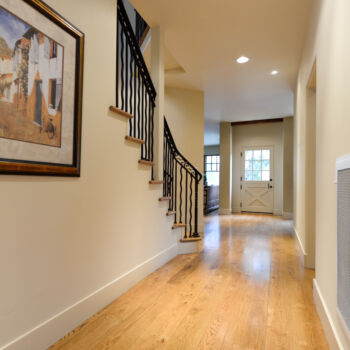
x,y
225,195
288,162
268,134
69,246
328,43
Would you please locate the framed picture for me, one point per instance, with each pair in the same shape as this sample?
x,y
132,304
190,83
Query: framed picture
x,y
41,78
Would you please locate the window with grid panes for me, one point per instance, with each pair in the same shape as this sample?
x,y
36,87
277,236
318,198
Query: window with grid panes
x,y
212,169
257,165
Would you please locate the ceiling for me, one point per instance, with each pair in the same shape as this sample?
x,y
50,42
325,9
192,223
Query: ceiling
x,y
206,36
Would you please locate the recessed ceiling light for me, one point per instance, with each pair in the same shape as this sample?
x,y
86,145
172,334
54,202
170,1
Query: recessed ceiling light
x,y
274,72
243,59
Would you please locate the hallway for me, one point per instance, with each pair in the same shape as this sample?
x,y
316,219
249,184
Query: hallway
x,y
246,290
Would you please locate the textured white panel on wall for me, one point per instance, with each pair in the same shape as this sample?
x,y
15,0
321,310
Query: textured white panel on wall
x,y
343,244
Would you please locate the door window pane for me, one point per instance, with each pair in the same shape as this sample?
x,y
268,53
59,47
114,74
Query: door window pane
x,y
265,165
248,176
256,175
248,155
265,176
257,154
266,154
257,165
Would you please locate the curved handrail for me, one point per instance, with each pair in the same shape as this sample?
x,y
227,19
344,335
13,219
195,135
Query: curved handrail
x,y
135,48
179,157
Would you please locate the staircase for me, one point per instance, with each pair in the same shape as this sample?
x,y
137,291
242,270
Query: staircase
x,y
135,101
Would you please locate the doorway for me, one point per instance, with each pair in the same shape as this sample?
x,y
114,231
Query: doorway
x,y
38,102
257,190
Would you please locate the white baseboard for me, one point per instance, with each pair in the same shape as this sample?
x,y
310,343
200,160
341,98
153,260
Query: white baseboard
x,y
326,320
224,211
287,215
47,333
236,210
277,212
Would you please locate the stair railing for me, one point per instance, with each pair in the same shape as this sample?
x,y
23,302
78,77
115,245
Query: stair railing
x,y
181,180
135,93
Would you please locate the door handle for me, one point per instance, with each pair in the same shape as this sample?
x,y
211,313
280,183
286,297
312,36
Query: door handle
x,y
269,186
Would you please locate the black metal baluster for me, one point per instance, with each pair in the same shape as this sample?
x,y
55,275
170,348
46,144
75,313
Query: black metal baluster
x,y
142,119
169,176
172,181
146,127
138,105
131,86
122,68
152,133
117,69
164,180
186,204
175,189
135,99
149,126
180,207
190,222
196,208
126,76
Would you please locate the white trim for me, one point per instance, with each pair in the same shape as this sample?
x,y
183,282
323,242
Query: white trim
x,y
302,249
287,215
48,332
277,212
236,210
221,212
342,163
326,319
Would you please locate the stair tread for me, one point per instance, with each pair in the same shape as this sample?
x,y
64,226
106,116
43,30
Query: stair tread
x,y
165,198
146,162
156,182
135,140
120,112
191,239
179,225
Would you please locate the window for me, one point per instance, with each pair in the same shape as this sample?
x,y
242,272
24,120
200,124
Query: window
x,y
257,165
212,169
53,49
52,89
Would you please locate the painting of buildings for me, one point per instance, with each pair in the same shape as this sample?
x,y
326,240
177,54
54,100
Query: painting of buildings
x,y
31,67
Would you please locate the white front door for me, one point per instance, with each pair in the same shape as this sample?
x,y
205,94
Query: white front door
x,y
257,191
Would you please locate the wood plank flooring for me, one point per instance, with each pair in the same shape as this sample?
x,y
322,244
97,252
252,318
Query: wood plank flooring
x,y
245,290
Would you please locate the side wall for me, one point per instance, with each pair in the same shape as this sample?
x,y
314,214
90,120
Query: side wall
x,y
71,246
269,134
328,43
225,206
288,161
184,111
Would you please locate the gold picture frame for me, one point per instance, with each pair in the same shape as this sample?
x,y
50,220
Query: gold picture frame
x,y
41,86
